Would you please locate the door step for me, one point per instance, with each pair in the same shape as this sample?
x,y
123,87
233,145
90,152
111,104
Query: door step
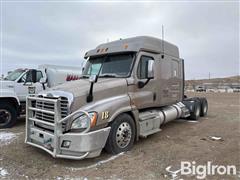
x,y
145,134
150,122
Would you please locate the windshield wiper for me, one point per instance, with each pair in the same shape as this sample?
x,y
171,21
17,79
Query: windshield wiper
x,y
109,75
85,76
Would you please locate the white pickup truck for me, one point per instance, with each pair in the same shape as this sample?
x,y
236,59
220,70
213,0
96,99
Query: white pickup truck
x,y
23,82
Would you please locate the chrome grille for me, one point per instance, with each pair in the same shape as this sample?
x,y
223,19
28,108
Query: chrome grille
x,y
50,107
64,107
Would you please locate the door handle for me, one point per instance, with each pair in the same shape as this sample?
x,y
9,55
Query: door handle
x,y
154,96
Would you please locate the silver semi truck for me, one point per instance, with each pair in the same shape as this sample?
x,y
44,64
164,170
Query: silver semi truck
x,y
129,89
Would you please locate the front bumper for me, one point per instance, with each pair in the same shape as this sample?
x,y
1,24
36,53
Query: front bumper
x,y
79,146
69,145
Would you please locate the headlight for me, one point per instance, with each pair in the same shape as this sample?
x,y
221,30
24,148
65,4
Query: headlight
x,y
82,121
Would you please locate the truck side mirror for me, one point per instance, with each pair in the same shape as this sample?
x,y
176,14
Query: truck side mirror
x,y
42,80
150,69
93,78
149,73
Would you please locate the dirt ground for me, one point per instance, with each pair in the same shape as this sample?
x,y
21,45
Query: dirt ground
x,y
178,141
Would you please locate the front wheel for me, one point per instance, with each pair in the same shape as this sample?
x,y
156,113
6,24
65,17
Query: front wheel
x,y
122,135
8,115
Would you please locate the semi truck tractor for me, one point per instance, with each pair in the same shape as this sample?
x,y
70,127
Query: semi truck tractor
x,y
129,89
21,82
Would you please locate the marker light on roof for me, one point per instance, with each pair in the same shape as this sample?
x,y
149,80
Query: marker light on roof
x,y
125,46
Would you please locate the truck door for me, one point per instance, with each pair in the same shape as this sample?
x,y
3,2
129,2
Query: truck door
x,y
26,86
143,97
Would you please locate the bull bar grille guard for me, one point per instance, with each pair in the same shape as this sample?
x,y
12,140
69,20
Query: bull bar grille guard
x,y
58,131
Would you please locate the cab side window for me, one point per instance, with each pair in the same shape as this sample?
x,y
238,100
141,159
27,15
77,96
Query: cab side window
x,y
23,78
142,67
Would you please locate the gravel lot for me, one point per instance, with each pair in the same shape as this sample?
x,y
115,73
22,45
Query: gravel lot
x,y
178,141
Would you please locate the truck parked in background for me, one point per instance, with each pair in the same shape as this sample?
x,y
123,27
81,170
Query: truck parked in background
x,y
22,82
129,89
200,89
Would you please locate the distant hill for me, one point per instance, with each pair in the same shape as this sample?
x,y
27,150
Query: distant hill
x,y
233,80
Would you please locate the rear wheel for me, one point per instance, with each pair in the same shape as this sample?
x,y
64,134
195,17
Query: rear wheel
x,y
204,107
122,134
8,115
194,115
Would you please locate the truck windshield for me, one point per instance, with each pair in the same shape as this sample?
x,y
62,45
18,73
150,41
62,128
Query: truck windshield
x,y
112,66
14,75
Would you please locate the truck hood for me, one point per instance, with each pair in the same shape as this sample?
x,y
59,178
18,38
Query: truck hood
x,y
7,85
104,88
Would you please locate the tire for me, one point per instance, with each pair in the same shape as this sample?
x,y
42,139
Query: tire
x,y
8,115
204,107
122,134
196,110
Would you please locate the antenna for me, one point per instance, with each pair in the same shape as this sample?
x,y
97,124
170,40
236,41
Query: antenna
x,y
163,41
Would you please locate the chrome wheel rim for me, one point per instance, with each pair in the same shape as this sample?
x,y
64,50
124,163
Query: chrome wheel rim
x,y
5,117
123,135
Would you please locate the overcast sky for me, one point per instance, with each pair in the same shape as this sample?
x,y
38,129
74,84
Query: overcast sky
x,y
207,33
